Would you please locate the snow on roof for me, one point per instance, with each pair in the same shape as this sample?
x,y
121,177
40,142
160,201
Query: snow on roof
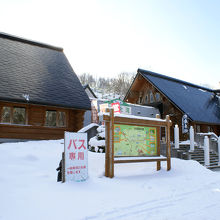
x,y
136,117
202,90
88,127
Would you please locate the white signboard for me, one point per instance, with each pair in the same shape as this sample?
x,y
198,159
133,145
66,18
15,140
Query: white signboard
x,y
76,156
103,107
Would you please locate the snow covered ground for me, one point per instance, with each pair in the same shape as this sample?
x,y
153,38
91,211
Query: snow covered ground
x,y
29,191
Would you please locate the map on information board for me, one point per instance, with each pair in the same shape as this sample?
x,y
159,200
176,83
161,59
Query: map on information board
x,y
132,140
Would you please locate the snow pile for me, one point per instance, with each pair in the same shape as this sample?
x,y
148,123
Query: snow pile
x,y
101,132
29,190
97,143
101,129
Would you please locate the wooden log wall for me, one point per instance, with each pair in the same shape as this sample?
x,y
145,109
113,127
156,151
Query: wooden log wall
x,y
35,128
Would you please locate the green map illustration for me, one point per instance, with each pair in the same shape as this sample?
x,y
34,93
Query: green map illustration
x,y
132,140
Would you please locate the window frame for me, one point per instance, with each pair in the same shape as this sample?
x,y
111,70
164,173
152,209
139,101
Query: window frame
x,y
12,108
57,124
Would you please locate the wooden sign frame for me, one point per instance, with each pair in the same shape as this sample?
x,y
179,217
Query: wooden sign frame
x,y
111,120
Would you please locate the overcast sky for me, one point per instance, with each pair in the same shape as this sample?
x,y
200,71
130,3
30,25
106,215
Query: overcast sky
x,y
178,38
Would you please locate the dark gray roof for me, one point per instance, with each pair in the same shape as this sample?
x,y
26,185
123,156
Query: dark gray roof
x,y
39,70
199,103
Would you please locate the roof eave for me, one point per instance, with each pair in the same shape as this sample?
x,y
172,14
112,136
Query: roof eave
x,y
206,123
142,71
31,42
44,104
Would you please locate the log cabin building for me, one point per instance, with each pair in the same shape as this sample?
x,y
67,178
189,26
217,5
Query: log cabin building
x,y
177,98
40,95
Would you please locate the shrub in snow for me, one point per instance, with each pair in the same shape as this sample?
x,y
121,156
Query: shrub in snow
x,y
97,143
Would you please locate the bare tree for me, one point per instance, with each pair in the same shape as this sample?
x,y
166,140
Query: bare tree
x,y
87,78
122,83
118,85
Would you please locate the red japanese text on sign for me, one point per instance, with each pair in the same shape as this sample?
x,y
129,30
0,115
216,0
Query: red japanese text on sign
x,y
116,107
76,156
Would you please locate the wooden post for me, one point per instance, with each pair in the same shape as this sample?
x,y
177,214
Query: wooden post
x,y
111,144
168,143
107,146
158,145
107,149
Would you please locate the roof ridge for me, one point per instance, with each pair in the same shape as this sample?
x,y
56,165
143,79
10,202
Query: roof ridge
x,y
173,79
31,42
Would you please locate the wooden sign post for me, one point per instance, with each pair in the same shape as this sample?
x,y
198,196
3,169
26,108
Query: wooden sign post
x,y
134,139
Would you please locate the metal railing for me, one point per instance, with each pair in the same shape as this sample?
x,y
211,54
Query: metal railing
x,y
213,140
210,142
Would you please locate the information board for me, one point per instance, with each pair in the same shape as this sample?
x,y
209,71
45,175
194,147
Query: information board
x,y
132,140
76,156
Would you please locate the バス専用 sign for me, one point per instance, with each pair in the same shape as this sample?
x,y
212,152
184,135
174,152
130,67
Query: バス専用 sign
x,y
76,156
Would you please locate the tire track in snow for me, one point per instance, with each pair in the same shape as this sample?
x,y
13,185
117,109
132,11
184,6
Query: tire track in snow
x,y
146,210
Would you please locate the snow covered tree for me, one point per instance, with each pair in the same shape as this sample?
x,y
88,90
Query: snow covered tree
x,y
97,143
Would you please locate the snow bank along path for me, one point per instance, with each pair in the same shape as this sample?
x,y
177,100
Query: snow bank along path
x,y
29,190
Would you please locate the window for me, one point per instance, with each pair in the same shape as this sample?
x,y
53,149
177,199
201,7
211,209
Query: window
x,y
157,97
19,115
140,99
146,99
6,115
151,97
209,129
62,119
55,118
13,115
51,118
